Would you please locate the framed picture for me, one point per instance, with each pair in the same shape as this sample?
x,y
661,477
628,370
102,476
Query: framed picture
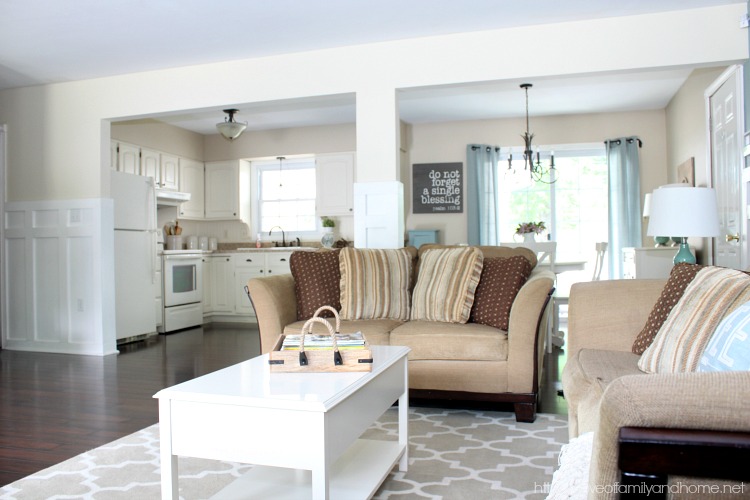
x,y
437,188
686,172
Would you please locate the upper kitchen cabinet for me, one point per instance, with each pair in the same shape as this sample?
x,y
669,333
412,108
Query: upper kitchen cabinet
x,y
128,158
227,189
162,167
191,181
169,172
334,184
150,165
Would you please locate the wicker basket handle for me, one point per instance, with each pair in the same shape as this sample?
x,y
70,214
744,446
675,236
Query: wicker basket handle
x,y
335,315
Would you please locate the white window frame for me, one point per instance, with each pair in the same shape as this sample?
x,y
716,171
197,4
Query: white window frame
x,y
290,162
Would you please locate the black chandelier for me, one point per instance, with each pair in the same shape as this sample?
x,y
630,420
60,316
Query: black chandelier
x,y
533,165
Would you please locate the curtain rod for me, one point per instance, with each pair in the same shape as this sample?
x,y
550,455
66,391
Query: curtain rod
x,y
630,141
489,148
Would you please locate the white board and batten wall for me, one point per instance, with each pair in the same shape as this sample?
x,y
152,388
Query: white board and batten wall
x,y
59,277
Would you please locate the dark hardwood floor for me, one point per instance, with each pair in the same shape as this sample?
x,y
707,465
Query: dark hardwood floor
x,y
55,406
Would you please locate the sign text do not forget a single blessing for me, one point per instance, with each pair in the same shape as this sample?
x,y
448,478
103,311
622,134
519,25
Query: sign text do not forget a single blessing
x,y
437,188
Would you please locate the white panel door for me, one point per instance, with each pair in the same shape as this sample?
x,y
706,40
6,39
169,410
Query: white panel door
x,y
191,181
334,179
222,193
725,129
379,215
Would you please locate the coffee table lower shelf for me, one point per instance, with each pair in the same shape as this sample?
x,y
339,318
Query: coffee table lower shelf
x,y
357,474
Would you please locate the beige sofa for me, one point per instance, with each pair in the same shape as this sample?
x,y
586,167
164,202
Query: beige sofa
x,y
448,361
608,395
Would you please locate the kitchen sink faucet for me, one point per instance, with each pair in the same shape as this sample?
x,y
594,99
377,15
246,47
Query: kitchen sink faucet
x,y
283,236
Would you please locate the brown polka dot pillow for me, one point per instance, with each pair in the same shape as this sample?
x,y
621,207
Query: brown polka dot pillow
x,y
499,284
679,279
316,281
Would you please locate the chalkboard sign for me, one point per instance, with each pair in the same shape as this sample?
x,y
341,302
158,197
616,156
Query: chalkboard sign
x,y
437,188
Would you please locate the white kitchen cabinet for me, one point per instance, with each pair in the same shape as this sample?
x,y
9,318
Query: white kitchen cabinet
x,y
150,165
227,190
128,158
208,296
334,183
222,274
169,172
255,265
191,181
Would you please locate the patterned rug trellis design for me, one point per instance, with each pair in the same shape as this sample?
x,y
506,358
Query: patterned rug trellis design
x,y
454,454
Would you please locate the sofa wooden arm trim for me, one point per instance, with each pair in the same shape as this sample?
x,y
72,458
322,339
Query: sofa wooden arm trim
x,y
650,455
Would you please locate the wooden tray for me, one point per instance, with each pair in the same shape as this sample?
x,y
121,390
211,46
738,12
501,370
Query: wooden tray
x,y
327,360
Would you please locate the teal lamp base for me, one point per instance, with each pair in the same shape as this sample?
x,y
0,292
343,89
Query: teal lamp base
x,y
684,254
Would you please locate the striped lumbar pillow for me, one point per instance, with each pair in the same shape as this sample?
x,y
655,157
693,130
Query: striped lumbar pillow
x,y
375,283
448,278
714,293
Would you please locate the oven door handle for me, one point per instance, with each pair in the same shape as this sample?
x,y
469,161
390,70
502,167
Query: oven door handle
x,y
197,258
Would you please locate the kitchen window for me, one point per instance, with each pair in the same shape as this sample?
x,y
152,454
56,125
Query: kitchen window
x,y
286,194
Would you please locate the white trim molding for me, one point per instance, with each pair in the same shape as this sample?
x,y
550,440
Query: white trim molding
x,y
58,292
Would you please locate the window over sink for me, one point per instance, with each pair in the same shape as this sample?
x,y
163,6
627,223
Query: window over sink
x,y
286,194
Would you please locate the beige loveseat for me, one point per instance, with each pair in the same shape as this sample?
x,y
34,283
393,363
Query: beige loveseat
x,y
609,395
447,361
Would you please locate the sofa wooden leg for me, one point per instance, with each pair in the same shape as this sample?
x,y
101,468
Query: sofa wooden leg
x,y
525,412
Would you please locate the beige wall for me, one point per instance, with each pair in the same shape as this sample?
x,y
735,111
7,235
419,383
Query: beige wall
x,y
446,142
686,125
58,135
287,141
157,135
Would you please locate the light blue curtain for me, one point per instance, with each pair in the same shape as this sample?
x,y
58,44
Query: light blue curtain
x,y
481,194
624,199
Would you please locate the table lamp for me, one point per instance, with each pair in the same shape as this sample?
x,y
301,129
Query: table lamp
x,y
684,211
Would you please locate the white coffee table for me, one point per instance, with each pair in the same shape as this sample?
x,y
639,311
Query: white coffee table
x,y
308,423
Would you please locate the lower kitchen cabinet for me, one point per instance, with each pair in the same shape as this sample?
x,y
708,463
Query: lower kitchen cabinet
x,y
225,278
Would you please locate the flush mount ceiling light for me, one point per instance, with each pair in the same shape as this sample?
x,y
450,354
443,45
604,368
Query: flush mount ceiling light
x,y
229,128
535,169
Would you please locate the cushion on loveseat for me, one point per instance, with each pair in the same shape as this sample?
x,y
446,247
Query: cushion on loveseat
x,y
376,283
500,281
447,280
714,293
316,281
586,376
438,340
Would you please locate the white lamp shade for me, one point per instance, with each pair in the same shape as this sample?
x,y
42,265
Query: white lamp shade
x,y
683,212
647,206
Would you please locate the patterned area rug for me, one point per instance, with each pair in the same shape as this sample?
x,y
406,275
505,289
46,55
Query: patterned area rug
x,y
454,454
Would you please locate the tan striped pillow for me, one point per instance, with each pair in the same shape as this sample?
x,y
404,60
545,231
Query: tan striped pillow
x,y
447,280
714,293
375,283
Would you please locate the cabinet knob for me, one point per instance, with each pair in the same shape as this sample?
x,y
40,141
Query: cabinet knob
x,y
248,260
227,259
235,214
269,271
282,260
351,209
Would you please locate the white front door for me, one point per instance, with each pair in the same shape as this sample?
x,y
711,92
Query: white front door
x,y
725,108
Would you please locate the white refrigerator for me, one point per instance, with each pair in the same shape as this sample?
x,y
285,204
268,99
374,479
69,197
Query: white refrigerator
x,y
135,254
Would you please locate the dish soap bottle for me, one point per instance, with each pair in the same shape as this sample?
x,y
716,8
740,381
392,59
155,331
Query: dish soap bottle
x,y
257,241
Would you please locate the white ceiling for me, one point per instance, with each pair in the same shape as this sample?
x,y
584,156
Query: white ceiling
x,y
47,41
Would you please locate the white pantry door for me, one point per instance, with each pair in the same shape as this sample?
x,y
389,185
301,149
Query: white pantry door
x,y
725,107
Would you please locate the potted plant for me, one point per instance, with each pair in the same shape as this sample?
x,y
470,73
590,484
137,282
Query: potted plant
x,y
528,229
327,222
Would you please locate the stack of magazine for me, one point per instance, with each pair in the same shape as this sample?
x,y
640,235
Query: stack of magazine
x,y
317,342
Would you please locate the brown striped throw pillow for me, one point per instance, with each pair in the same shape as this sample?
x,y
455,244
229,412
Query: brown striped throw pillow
x,y
714,293
446,284
375,283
